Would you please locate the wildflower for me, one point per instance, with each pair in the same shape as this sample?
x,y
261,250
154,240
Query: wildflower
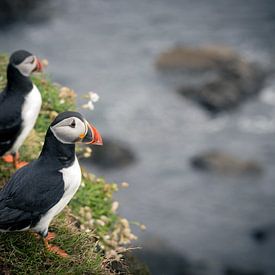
x,y
115,205
125,184
104,218
88,215
124,223
66,92
100,222
142,227
92,98
87,152
45,62
88,105
53,115
133,237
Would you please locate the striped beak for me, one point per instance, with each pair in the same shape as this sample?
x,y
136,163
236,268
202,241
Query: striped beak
x,y
39,65
92,135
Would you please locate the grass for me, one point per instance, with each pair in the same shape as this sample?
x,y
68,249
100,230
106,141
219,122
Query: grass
x,y
22,253
89,230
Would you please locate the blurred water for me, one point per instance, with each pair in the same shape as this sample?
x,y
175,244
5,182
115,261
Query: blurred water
x,y
110,47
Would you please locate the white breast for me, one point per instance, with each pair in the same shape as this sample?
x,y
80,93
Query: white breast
x,y
72,180
30,112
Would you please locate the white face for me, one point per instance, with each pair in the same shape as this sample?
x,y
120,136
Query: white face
x,y
27,66
69,130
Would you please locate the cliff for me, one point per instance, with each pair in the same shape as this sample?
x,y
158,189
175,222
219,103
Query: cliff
x,y
89,229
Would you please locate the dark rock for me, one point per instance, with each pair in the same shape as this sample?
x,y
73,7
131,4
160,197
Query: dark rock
x,y
237,271
228,79
129,264
263,233
113,154
215,96
220,162
24,10
198,59
163,259
260,235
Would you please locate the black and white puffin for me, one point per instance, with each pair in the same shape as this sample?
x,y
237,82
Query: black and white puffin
x,y
40,190
20,103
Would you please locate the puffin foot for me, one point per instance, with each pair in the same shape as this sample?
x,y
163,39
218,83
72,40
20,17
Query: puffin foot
x,y
51,236
8,158
14,158
16,163
55,249
20,164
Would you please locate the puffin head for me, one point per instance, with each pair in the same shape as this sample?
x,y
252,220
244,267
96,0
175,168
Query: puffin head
x,y
72,127
25,62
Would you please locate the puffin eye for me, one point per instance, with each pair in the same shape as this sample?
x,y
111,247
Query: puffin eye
x,y
72,125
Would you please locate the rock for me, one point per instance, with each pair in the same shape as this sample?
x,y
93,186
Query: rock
x,y
238,271
129,264
27,10
200,59
221,79
113,154
263,233
215,96
224,163
163,259
259,235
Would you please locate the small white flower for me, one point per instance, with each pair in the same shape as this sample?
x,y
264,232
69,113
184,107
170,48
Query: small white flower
x,y
142,226
115,206
88,105
94,97
124,184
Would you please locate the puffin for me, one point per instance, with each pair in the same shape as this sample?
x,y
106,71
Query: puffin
x,y
40,190
20,104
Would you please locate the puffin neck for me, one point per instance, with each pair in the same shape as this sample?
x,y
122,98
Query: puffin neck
x,y
16,82
58,154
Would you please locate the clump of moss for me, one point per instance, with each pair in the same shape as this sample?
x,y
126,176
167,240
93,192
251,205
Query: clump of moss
x,y
92,240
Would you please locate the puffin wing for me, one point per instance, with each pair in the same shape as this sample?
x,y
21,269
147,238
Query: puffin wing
x,y
8,135
15,219
10,123
30,193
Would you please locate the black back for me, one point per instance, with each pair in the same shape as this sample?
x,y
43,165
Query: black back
x,y
37,187
11,102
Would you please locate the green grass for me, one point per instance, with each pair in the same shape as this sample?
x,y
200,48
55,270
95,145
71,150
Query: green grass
x,y
87,230
22,253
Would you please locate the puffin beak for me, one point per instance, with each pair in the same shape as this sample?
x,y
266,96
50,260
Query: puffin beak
x,y
39,65
92,136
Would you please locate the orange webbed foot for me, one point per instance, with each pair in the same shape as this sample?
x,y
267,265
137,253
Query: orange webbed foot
x,y
16,163
51,236
20,164
55,249
8,158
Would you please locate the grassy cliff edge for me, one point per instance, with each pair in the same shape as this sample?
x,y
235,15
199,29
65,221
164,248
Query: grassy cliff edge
x,y
89,229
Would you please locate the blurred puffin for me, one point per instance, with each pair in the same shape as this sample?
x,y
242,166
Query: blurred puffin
x,y
40,190
20,103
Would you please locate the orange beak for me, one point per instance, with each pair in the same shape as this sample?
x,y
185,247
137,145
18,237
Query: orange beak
x,y
92,136
39,65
